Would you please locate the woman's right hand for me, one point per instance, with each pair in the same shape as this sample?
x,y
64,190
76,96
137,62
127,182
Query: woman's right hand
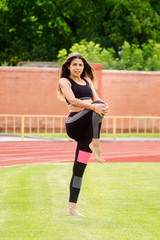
x,y
101,109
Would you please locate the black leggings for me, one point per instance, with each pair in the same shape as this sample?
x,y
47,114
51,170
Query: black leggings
x,y
82,127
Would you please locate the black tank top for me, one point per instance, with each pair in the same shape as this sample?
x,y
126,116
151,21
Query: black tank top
x,y
80,91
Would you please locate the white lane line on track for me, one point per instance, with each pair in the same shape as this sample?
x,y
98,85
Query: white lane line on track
x,y
64,152
134,152
58,157
30,153
26,149
134,155
36,143
34,147
21,164
22,144
52,151
35,158
73,149
67,144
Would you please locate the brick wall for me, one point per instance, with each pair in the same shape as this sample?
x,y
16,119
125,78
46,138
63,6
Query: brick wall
x,y
33,91
131,93
29,91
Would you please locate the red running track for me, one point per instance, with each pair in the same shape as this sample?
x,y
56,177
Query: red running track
x,y
20,153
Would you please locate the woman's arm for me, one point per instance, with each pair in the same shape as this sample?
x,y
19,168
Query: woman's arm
x,y
65,86
69,95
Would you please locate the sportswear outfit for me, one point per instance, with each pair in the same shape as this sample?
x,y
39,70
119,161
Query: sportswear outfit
x,y
82,127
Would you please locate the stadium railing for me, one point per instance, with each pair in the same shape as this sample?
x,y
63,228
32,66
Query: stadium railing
x,y
49,124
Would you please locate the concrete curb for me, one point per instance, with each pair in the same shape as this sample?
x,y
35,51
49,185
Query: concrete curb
x,y
17,138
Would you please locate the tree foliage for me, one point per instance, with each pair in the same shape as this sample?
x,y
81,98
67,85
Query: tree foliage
x,y
92,52
130,57
37,30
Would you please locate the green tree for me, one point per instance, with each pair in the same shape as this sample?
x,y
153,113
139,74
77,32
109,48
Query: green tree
x,y
130,56
132,21
37,30
31,30
151,52
92,52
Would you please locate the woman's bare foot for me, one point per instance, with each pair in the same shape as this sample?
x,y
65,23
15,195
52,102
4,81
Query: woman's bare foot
x,y
95,146
72,210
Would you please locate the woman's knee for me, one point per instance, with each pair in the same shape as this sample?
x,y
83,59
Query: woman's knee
x,y
98,102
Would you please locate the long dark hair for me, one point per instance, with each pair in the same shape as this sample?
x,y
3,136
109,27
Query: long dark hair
x,y
88,71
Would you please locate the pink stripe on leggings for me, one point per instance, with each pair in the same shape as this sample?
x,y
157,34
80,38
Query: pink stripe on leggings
x,y
83,157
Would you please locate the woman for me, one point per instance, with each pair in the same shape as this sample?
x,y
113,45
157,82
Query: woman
x,y
83,124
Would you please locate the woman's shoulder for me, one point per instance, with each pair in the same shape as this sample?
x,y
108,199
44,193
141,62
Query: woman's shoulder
x,y
63,81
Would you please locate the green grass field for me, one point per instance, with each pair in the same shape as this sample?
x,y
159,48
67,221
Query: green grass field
x,y
103,135
120,201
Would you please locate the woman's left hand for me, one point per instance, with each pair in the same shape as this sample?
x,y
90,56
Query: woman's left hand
x,y
101,109
105,111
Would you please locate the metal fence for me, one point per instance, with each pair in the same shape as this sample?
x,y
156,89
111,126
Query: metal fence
x,y
48,124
